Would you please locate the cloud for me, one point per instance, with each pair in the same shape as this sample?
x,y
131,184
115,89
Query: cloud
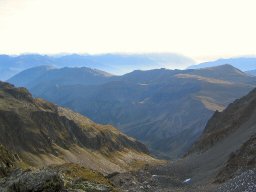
x,y
198,28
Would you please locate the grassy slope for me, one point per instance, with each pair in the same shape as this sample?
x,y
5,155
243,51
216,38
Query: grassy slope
x,y
42,134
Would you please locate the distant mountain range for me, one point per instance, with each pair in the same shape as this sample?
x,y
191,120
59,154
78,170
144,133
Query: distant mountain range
x,y
45,147
166,109
49,75
252,72
113,63
242,63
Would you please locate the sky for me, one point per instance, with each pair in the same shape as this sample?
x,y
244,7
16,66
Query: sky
x,y
200,29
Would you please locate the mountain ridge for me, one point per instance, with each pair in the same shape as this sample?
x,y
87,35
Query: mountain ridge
x,y
252,72
231,134
48,134
242,63
116,63
154,106
234,115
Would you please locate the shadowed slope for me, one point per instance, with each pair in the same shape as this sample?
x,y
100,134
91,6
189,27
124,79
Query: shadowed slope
x,y
43,133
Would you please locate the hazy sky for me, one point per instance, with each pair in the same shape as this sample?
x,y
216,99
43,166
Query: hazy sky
x,y
201,29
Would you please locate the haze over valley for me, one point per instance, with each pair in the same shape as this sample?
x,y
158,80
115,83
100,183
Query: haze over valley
x,y
159,107
127,96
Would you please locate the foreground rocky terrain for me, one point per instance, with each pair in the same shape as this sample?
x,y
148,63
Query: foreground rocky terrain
x,y
17,176
67,177
146,181
48,148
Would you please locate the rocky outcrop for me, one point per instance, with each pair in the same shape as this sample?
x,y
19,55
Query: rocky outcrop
x,y
240,161
26,181
227,147
56,179
222,124
7,161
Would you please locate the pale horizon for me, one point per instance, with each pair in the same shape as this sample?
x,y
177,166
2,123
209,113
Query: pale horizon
x,y
196,60
202,30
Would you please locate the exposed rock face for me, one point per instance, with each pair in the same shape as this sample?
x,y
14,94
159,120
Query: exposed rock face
x,y
242,160
7,161
228,146
238,115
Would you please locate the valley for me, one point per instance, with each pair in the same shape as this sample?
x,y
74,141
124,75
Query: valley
x,y
222,159
127,96
158,107
196,118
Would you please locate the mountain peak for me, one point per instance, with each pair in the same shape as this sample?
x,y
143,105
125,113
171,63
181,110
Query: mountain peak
x,y
224,66
227,68
225,72
62,76
241,63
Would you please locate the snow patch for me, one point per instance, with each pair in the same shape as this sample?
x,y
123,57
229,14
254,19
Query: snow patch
x,y
187,180
143,84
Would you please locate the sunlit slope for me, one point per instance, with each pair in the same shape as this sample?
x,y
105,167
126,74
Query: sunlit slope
x,y
42,133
